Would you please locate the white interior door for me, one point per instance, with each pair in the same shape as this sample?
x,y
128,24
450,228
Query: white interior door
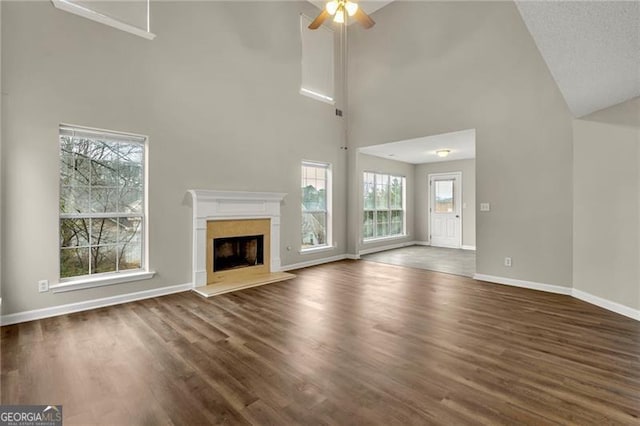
x,y
445,212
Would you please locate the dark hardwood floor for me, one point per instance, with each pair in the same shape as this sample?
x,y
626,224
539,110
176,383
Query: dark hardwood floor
x,y
344,343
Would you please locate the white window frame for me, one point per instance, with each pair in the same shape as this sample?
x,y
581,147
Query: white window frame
x,y
376,237
329,207
117,277
77,9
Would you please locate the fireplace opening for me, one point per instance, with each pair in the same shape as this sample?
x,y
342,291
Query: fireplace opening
x,y
237,252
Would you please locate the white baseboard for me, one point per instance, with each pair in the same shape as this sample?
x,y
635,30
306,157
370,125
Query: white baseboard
x,y
573,292
469,248
550,288
387,247
606,304
421,243
91,304
313,262
352,256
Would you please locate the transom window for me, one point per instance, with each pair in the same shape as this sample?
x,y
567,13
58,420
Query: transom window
x,y
316,205
384,205
102,202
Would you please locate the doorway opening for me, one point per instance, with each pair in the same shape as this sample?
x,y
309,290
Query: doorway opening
x,y
440,214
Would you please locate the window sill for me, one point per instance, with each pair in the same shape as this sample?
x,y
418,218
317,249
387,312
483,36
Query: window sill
x,y
379,239
316,249
111,279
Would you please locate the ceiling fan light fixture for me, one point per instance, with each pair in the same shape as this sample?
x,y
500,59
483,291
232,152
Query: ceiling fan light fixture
x,y
442,153
351,7
339,17
332,7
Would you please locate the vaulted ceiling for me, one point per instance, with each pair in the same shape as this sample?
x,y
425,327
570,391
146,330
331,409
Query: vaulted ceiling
x,y
592,48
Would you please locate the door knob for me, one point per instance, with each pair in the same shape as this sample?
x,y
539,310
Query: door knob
x,y
457,215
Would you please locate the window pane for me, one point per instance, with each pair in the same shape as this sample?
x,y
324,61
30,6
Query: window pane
x,y
130,255
104,163
75,168
396,192
104,200
74,262
130,165
314,227
397,218
369,191
314,188
130,200
382,192
382,223
74,199
444,196
104,231
74,232
103,259
367,224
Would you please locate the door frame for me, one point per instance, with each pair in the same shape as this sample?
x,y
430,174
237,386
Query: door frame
x,y
457,200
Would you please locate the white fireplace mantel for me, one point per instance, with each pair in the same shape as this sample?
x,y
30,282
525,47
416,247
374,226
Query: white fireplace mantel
x,y
224,205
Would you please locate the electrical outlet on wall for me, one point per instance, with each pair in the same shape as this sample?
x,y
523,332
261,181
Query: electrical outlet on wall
x,y
43,286
507,261
485,207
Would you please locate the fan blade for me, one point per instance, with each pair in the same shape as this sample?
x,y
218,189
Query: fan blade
x,y
319,20
364,19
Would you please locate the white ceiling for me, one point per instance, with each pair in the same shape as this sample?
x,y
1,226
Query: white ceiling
x,y
592,49
462,145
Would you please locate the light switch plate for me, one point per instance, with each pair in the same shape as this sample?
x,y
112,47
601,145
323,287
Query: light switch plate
x,y
485,207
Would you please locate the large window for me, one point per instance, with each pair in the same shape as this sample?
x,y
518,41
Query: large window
x,y
384,205
102,202
316,205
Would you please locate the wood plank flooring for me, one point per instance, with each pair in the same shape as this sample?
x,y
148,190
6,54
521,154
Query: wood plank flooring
x,y
344,343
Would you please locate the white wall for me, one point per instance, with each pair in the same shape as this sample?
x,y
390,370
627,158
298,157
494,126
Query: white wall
x,y
217,94
468,170
371,163
459,65
606,213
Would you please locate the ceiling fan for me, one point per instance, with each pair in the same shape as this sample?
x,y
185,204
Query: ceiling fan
x,y
339,9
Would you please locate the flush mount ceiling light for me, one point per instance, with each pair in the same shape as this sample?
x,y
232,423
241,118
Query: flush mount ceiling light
x,y
340,9
443,152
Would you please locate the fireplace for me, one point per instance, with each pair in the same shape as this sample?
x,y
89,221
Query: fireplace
x,y
236,240
238,252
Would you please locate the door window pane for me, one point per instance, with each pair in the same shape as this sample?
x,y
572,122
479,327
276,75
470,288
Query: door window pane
x,y
444,196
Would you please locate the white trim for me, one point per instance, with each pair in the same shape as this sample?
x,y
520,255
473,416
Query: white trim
x,y
606,304
352,256
549,288
422,243
76,9
91,304
469,248
385,238
211,205
314,262
318,249
99,281
317,96
387,247
458,203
